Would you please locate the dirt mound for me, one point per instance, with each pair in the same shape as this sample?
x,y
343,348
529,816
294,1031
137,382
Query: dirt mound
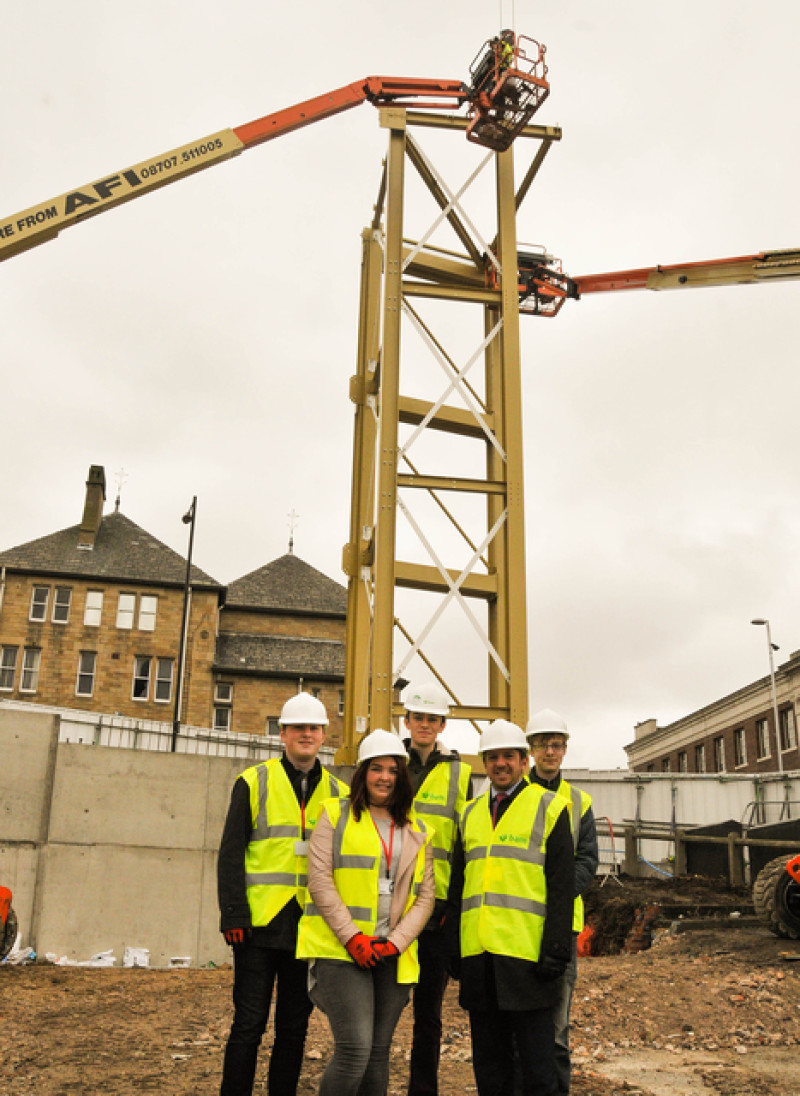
x,y
623,913
713,1012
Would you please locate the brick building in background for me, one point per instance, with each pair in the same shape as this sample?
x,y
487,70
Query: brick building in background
x,y
90,619
735,734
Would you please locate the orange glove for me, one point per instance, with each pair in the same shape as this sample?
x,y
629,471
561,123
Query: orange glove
x,y
384,948
361,951
235,936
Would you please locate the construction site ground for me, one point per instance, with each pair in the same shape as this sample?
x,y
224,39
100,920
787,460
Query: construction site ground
x,y
714,1009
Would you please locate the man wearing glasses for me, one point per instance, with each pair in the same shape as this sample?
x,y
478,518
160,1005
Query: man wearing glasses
x,y
547,736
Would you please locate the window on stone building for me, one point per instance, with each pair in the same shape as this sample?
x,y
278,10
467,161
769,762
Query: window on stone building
x,y
141,677
223,702
762,739
719,755
126,607
39,598
700,758
62,599
31,664
683,762
87,664
93,610
273,726
341,702
8,667
147,612
164,671
788,729
739,747
222,719
665,765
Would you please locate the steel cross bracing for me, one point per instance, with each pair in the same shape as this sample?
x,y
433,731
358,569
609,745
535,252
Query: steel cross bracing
x,y
437,517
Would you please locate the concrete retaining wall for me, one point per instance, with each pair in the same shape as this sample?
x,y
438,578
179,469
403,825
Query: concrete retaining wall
x,y
110,848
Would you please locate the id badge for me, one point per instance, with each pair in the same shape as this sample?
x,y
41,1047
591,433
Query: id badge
x,y
385,886
301,848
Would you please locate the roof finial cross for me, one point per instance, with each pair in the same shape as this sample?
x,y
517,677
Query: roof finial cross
x,y
120,477
293,520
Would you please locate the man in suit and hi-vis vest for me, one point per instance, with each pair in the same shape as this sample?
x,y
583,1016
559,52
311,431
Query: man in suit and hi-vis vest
x,y
513,868
261,882
547,737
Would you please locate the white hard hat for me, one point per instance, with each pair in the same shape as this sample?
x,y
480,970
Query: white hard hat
x,y
503,735
380,744
547,722
428,697
303,708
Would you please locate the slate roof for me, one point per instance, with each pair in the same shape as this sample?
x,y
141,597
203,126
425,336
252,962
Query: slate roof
x,y
287,584
279,656
123,552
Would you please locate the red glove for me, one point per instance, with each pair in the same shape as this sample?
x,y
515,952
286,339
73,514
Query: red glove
x,y
384,948
361,951
234,936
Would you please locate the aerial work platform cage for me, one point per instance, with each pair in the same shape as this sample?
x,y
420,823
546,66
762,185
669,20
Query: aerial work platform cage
x,y
436,555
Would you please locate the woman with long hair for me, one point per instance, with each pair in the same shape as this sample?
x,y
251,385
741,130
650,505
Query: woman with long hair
x,y
371,892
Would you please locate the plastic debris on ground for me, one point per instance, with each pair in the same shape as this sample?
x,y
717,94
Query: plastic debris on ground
x,y
136,957
100,959
17,956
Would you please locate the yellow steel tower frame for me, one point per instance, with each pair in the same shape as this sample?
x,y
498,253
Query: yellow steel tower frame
x,y
487,580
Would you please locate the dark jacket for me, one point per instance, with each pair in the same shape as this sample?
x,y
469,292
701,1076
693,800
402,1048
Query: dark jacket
x,y
418,770
234,908
586,852
518,984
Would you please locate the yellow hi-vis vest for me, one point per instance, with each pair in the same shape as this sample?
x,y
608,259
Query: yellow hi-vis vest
x,y
275,868
439,802
579,803
504,902
356,864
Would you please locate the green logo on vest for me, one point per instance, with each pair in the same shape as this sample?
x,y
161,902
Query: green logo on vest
x,y
520,839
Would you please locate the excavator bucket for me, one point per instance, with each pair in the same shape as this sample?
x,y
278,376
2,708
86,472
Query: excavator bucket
x,y
508,85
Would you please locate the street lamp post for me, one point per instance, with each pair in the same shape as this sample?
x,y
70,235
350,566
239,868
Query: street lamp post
x,y
772,647
187,519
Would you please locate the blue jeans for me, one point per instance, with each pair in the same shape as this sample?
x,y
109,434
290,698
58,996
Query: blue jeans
x,y
363,1007
255,971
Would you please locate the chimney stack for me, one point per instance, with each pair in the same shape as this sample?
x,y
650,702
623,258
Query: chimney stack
x,y
93,507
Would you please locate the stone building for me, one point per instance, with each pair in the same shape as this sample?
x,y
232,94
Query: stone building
x,y
281,630
734,734
90,619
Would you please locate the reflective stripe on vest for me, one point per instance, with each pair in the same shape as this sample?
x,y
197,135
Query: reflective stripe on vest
x,y
505,895
274,871
579,804
439,802
355,874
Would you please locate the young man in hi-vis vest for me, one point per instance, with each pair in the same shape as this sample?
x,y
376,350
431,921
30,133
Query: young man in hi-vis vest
x,y
513,868
261,877
547,737
442,786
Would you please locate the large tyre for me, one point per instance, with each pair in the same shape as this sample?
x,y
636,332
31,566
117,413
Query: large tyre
x,y
8,938
776,897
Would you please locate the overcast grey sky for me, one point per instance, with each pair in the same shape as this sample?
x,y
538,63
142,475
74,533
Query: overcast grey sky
x,y
202,338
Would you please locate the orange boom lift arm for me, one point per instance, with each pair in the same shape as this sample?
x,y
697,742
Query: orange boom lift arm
x,y
497,110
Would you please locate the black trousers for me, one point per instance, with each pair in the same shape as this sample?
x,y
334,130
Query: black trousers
x,y
428,996
255,972
497,1034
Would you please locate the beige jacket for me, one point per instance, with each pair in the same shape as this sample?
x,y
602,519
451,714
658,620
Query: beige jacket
x,y
404,930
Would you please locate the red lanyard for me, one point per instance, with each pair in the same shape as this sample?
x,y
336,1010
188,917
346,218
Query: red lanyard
x,y
387,850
